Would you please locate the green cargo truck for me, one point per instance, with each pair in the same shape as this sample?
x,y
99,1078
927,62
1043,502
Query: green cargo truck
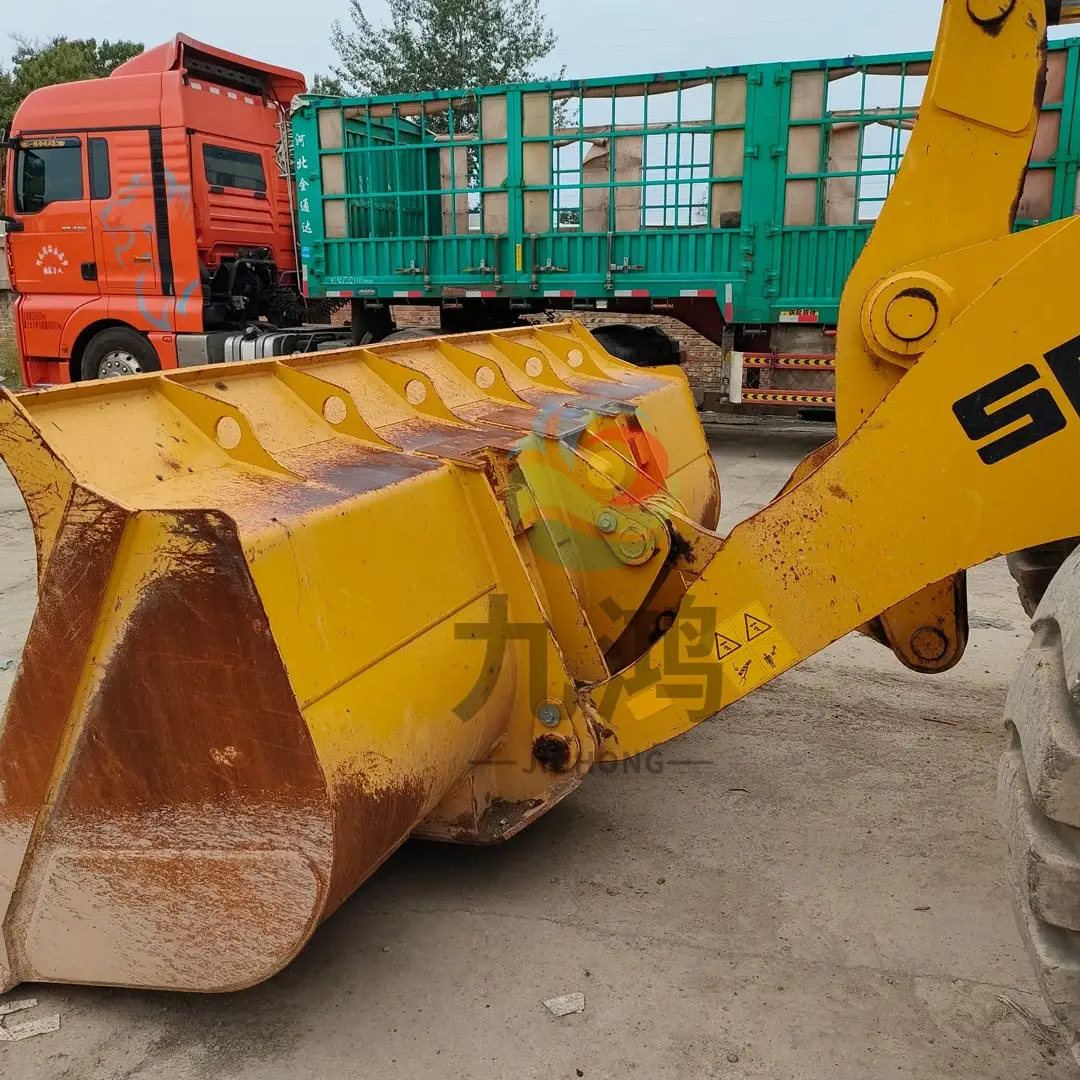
x,y
733,199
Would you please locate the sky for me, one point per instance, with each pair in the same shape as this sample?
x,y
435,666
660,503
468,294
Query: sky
x,y
596,37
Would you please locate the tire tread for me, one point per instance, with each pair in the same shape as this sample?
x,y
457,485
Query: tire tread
x,y
1039,797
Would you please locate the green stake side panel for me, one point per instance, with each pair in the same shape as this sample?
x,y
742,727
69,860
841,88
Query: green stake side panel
x,y
755,185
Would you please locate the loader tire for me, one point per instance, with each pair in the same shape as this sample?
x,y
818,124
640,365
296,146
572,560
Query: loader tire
x,y
1039,797
1034,568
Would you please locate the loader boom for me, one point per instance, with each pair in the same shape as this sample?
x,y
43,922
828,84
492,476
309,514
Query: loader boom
x,y
958,373
961,462
293,612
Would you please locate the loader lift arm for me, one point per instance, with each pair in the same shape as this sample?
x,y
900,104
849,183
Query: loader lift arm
x,y
958,359
293,612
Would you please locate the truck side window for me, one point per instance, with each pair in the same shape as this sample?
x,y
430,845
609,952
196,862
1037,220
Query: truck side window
x,y
97,153
47,171
226,167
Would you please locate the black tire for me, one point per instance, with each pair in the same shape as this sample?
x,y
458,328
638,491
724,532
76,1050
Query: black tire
x,y
1034,568
1039,797
369,324
643,346
101,359
472,316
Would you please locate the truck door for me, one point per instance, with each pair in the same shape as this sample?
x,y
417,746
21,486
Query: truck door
x,y
52,256
234,210
122,211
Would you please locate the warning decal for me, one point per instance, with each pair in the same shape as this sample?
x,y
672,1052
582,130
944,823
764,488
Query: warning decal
x,y
795,397
708,664
725,646
751,651
800,315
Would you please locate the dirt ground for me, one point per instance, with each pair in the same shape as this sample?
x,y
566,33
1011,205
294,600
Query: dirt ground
x,y
809,886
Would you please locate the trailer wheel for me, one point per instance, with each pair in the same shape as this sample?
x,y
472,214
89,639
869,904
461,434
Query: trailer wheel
x,y
118,350
643,346
1039,797
410,333
1034,568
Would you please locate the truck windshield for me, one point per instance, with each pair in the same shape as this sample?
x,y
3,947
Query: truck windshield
x,y
47,171
226,167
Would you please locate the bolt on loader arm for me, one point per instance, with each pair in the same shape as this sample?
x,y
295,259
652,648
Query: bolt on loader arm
x,y
292,612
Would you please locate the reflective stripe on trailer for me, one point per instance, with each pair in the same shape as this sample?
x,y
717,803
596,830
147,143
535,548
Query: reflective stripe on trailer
x,y
631,292
485,294
339,292
698,292
789,363
560,292
791,397
412,294
729,303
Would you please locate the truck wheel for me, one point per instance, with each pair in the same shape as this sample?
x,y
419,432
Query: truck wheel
x,y
1034,568
1039,797
119,350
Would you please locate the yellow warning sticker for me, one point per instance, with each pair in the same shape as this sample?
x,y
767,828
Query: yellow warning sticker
x,y
725,646
741,676
751,651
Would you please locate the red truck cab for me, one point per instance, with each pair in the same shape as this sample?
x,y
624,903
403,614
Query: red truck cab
x,y
150,214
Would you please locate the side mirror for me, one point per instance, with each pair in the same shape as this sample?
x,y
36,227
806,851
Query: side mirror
x,y
9,144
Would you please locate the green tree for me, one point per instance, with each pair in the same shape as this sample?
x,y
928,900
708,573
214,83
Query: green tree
x,y
60,59
330,85
441,45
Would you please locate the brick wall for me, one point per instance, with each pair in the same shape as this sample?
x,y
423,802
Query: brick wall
x,y
409,315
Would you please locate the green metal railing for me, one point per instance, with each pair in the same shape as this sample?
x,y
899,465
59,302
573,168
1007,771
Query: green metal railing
x,y
759,182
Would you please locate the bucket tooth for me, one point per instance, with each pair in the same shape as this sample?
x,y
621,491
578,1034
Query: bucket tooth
x,y
337,409
385,393
489,378
461,382
221,420
402,405
527,367
285,419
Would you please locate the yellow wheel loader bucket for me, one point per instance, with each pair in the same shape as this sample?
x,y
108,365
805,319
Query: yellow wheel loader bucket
x,y
292,612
